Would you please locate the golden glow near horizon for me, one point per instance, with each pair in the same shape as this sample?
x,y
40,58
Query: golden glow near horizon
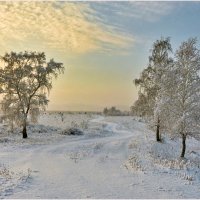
x,y
91,89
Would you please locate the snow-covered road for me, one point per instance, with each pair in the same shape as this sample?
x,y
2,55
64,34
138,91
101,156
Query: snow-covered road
x,y
92,167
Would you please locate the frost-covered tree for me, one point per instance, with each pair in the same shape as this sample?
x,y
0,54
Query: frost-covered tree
x,y
141,106
105,111
25,80
150,79
159,62
180,93
146,94
112,111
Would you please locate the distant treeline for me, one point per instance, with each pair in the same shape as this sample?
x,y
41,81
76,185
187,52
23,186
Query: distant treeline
x,y
113,111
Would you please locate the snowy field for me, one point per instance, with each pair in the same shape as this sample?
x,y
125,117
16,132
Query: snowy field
x,y
116,157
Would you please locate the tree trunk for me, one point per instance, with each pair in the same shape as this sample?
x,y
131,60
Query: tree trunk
x,y
24,133
158,131
183,146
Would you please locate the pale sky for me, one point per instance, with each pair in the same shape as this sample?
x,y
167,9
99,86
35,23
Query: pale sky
x,y
103,45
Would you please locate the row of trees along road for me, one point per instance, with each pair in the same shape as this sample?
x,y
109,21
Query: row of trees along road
x,y
25,81
169,90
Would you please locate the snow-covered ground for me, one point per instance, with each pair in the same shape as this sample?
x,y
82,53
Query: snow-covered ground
x,y
117,157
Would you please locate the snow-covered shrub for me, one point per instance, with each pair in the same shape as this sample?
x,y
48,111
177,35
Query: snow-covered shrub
x,y
5,173
133,164
133,145
71,131
10,180
173,164
4,129
186,176
84,124
74,124
4,140
42,128
79,155
26,177
97,146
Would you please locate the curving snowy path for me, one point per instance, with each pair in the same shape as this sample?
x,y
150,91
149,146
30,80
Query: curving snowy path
x,y
91,167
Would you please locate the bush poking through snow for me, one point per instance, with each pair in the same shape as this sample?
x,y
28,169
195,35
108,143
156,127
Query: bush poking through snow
x,y
133,145
84,124
39,128
5,173
4,140
27,176
98,146
72,131
186,176
10,180
173,164
133,164
74,124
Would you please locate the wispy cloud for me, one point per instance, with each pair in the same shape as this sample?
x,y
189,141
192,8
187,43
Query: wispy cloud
x,y
130,17
150,11
67,26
